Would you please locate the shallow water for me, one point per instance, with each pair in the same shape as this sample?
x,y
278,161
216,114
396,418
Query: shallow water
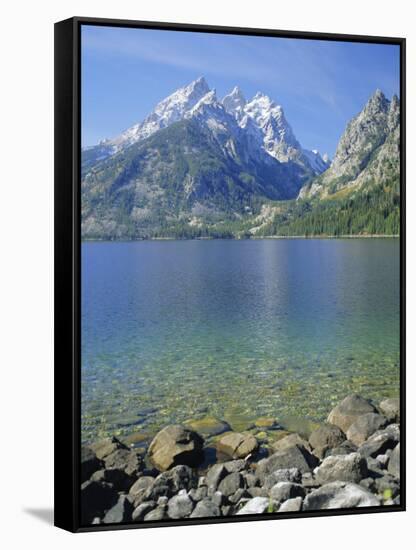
x,y
173,330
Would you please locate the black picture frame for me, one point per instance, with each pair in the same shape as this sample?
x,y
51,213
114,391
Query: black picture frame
x,y
67,266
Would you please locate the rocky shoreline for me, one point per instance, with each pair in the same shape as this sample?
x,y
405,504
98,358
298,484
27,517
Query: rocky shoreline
x,y
353,460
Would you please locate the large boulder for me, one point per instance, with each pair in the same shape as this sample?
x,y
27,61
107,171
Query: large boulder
x,y
294,457
141,485
345,448
289,441
206,508
381,441
351,467
256,505
237,445
176,445
391,408
284,490
350,408
143,509
107,446
230,484
235,465
394,462
327,436
127,460
180,506
365,425
198,494
291,505
158,514
292,475
215,474
339,494
171,482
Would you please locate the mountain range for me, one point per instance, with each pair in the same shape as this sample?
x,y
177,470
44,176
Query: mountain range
x,y
198,166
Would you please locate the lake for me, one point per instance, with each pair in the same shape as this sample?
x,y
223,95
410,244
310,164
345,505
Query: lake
x,y
175,330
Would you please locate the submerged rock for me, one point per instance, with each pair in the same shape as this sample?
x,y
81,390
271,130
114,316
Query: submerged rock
x,y
208,426
176,445
350,408
267,422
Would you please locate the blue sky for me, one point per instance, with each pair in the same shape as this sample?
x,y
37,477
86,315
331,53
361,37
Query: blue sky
x,y
320,85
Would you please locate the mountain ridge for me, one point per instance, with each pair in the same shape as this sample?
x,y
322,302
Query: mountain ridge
x,y
198,166
179,105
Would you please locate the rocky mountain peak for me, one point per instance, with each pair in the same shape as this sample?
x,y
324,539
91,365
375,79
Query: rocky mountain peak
x,y
234,102
262,119
198,87
377,102
366,142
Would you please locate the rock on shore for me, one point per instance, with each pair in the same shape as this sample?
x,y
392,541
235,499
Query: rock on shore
x,y
351,461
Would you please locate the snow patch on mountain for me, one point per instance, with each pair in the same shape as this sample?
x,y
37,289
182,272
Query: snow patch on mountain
x,y
169,110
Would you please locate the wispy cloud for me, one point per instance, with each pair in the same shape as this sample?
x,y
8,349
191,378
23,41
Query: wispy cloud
x,y
262,60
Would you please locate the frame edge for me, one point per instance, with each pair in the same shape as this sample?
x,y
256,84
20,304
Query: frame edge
x,y
65,175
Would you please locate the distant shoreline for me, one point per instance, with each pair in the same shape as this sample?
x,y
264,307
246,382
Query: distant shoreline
x,y
253,238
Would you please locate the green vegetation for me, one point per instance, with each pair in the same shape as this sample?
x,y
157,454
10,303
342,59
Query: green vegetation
x,y
372,212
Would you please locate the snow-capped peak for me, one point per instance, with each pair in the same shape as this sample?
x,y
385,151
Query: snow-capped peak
x,y
210,112
234,102
278,137
209,98
169,110
261,119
